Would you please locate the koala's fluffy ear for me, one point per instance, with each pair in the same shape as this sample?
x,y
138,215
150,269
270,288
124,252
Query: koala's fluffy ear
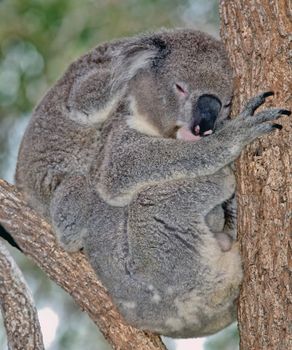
x,y
134,55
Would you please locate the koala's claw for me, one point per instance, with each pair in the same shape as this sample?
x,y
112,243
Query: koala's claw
x,y
285,112
257,124
277,126
255,102
268,93
262,129
268,115
248,128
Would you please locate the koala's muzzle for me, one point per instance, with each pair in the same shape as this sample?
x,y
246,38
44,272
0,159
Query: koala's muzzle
x,y
205,114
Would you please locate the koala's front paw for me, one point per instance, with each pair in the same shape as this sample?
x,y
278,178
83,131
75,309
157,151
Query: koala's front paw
x,y
256,125
247,126
254,103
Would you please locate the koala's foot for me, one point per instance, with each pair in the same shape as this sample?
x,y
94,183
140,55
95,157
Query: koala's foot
x,y
230,214
69,235
68,211
224,240
68,228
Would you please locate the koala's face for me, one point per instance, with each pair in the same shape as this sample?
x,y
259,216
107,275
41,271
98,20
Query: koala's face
x,y
188,90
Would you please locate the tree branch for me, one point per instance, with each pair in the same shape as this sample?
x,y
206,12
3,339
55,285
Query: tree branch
x,y
17,306
70,271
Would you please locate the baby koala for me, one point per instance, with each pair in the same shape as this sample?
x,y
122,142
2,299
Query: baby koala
x,y
129,156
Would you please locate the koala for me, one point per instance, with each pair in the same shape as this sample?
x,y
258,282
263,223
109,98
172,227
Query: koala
x,y
130,158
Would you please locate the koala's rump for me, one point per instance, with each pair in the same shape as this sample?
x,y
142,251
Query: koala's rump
x,y
171,276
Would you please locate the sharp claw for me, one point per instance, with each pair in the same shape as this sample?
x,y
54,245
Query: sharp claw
x,y
268,93
277,126
285,111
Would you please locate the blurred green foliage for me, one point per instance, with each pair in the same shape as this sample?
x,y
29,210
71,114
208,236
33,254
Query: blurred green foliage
x,y
38,39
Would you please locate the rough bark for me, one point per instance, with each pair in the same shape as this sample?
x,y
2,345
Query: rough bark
x,y
71,271
17,306
258,38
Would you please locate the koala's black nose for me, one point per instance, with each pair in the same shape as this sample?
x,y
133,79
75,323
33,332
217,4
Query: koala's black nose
x,y
205,114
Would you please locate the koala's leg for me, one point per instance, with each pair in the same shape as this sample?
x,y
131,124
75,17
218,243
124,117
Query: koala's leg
x,y
180,261
177,211
158,257
69,210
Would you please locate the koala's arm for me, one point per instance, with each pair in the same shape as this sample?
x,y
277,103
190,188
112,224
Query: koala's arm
x,y
132,159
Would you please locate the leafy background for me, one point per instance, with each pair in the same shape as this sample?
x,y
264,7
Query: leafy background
x,y
38,39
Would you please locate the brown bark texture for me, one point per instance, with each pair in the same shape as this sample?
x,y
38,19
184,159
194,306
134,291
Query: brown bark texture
x,y
258,38
70,271
17,306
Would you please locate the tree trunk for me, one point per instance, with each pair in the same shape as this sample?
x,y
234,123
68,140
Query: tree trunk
x,y
258,38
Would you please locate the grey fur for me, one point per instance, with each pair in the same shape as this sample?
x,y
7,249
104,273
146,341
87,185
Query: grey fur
x,y
154,214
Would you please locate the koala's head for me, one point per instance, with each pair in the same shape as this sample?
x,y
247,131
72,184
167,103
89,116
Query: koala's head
x,y
179,82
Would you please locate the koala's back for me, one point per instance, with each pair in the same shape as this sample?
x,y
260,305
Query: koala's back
x,y
59,141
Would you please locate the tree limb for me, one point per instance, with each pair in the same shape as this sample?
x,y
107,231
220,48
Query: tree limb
x,y
17,306
70,271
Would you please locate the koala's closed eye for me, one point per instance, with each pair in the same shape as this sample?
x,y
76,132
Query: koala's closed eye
x,y
182,90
